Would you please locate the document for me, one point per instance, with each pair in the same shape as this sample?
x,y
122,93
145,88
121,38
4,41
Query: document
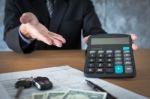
x,y
63,78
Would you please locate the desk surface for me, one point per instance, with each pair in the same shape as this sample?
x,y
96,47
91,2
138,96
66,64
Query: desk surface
x,y
10,62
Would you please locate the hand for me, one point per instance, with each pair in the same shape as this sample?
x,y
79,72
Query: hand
x,y
133,37
33,29
85,39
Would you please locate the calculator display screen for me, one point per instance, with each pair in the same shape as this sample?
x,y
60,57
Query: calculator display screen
x,y
97,41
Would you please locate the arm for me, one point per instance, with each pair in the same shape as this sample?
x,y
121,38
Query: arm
x,y
11,30
29,26
91,23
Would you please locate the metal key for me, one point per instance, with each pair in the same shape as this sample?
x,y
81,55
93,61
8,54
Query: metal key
x,y
22,84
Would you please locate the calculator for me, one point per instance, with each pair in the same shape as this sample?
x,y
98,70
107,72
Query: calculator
x,y
109,56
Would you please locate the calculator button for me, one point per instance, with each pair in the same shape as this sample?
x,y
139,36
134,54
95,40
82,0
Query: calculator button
x,y
109,52
118,55
109,60
90,70
99,65
118,63
119,69
92,53
91,65
117,51
128,63
109,65
126,52
118,59
126,48
100,55
99,70
127,55
127,59
128,69
100,51
91,60
109,70
109,55
100,60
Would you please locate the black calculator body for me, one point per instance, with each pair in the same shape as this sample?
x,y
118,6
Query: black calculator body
x,y
109,56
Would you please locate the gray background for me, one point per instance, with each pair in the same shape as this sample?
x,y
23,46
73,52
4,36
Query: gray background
x,y
117,16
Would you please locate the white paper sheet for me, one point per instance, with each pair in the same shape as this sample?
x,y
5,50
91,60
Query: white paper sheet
x,y
63,78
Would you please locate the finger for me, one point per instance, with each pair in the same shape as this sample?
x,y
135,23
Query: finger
x,y
44,39
25,18
28,18
85,39
134,47
133,36
58,37
55,41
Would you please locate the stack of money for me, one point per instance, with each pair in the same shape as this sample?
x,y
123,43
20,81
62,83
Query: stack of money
x,y
70,94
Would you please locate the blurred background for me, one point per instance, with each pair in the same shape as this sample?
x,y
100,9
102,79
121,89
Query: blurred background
x,y
116,16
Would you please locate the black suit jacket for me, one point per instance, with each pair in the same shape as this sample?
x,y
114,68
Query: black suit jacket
x,y
69,18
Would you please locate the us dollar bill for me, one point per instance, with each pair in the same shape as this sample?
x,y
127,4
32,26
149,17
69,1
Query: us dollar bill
x,y
41,95
55,95
49,95
70,94
84,94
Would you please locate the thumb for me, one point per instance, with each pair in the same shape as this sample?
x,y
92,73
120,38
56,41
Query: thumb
x,y
85,39
28,18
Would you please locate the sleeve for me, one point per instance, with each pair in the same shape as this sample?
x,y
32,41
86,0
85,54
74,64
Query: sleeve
x,y
91,23
25,40
11,28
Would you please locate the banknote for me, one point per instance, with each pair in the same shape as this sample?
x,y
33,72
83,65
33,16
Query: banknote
x,y
42,95
55,95
70,94
84,94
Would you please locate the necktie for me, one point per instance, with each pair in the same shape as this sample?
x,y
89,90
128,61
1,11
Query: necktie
x,y
50,7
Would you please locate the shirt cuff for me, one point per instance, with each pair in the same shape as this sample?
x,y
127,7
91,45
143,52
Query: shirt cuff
x,y
28,41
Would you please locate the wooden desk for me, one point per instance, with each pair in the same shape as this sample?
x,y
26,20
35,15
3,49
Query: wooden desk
x,y
10,62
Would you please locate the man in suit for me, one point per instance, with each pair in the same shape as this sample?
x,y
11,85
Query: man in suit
x,y
34,25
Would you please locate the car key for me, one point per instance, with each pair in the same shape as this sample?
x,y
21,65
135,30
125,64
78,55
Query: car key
x,y
42,83
22,84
